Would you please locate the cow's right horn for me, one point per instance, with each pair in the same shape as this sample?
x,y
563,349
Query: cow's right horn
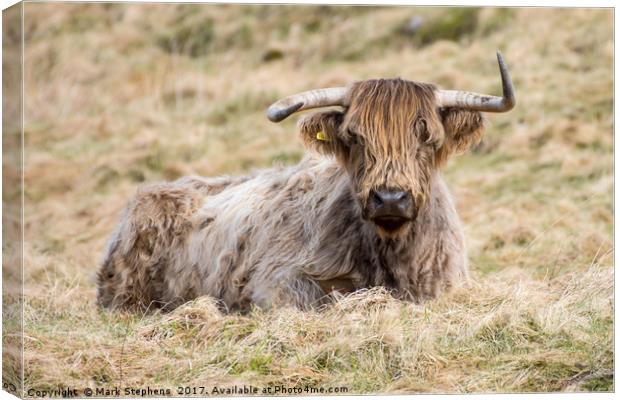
x,y
282,108
482,102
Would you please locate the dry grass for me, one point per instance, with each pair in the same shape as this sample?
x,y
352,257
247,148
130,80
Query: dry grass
x,y
123,94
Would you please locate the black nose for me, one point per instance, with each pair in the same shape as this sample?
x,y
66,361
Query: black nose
x,y
391,202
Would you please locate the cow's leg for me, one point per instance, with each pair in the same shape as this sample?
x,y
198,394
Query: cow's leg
x,y
294,289
154,226
442,266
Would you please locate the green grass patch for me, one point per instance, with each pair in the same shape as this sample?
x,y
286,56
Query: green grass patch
x,y
451,24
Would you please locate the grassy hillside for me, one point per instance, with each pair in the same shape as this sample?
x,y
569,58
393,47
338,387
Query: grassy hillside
x,y
119,95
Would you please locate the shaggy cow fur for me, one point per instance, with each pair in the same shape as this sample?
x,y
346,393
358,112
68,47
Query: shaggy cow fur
x,y
290,236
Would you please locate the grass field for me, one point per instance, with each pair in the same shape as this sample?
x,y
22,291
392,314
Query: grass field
x,y
122,95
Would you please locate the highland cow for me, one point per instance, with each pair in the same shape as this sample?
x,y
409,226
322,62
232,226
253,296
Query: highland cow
x,y
368,207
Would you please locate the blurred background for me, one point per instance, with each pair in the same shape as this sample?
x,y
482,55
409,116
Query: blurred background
x,y
120,95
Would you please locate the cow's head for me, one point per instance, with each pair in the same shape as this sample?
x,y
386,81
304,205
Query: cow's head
x,y
391,135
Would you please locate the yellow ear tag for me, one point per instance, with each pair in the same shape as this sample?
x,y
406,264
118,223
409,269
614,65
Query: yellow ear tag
x,y
321,136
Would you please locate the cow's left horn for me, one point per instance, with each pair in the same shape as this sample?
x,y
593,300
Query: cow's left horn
x,y
482,102
302,101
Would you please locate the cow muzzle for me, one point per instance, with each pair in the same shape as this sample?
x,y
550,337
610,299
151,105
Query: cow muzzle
x,y
390,209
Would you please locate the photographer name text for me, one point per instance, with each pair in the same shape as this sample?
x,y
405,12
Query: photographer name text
x,y
185,391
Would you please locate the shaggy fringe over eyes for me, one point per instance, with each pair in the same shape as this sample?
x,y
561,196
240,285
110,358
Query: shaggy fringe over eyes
x,y
463,129
388,110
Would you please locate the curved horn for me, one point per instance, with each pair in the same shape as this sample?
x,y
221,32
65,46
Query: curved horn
x,y
482,102
302,101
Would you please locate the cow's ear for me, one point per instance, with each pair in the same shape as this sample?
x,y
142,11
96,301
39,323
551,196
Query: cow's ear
x,y
320,132
463,128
